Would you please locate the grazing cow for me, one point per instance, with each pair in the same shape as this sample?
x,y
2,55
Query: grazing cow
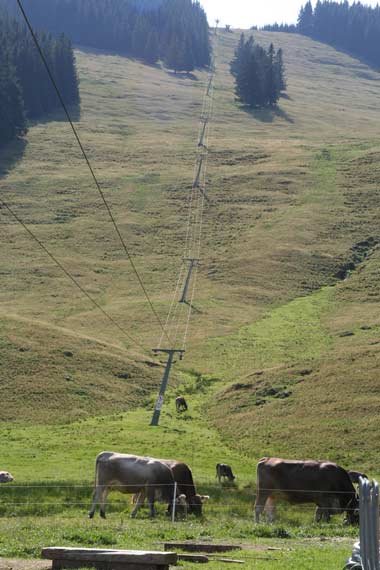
x,y
323,483
131,474
225,471
181,404
5,477
355,476
185,484
185,487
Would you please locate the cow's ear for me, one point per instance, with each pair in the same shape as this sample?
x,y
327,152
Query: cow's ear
x,y
205,498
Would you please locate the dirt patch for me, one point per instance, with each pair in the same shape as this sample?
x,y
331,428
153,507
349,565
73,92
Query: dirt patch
x,y
20,564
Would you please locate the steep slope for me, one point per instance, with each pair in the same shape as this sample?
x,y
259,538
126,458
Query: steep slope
x,y
293,194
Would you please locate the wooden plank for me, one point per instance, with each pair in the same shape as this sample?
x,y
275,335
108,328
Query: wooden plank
x,y
202,559
72,564
106,555
201,547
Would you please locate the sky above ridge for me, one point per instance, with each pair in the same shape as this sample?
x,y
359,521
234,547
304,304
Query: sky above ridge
x,y
247,13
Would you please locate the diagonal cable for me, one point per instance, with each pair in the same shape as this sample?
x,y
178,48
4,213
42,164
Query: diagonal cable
x,y
75,281
43,58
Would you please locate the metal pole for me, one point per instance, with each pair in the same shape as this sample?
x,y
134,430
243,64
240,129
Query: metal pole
x,y
161,395
197,178
201,139
174,502
164,382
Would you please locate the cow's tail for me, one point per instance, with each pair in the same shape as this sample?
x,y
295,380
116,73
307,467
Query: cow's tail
x,y
96,478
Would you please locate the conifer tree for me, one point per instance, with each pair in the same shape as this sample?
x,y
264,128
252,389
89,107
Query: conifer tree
x,y
259,74
280,70
305,19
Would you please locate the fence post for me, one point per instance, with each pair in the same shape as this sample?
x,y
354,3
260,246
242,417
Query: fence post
x,y
174,502
375,525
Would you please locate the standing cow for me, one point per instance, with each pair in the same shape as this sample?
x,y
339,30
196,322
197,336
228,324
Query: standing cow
x,y
225,471
181,404
323,483
131,474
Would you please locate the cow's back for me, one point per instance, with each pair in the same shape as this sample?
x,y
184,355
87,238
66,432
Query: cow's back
x,y
131,473
183,476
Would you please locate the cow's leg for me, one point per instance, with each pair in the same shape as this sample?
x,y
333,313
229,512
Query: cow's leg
x,y
103,499
261,500
95,500
322,514
150,494
137,505
270,509
139,498
138,501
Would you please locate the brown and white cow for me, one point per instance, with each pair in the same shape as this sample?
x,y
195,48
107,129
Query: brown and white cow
x,y
6,477
323,483
185,487
131,474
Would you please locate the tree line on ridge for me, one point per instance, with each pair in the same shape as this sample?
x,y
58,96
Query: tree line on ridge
x,y
174,31
354,28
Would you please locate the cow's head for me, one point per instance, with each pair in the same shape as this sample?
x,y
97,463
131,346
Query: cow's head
x,y
196,504
5,477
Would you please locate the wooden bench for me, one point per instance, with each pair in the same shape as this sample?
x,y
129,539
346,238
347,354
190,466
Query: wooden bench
x,y
104,559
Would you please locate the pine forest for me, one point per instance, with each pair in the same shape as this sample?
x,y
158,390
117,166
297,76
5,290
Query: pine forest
x,y
25,88
174,31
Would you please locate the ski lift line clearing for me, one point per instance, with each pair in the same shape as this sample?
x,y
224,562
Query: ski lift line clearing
x,y
193,241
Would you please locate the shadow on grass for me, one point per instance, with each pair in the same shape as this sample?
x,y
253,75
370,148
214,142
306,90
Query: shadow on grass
x,y
10,155
193,307
183,75
268,114
58,115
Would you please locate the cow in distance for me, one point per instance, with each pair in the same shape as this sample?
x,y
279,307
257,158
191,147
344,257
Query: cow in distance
x,y
181,404
225,471
131,474
6,477
323,483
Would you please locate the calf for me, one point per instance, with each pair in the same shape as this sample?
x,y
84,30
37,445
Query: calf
x,y
181,404
225,471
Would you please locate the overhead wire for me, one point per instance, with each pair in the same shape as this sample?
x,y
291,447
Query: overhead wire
x,y
68,274
97,184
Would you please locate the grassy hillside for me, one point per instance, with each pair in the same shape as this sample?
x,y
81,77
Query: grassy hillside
x,y
294,211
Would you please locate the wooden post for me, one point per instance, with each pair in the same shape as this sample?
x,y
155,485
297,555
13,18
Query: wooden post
x,y
164,382
174,502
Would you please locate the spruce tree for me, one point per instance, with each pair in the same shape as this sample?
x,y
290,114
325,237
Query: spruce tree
x,y
280,71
